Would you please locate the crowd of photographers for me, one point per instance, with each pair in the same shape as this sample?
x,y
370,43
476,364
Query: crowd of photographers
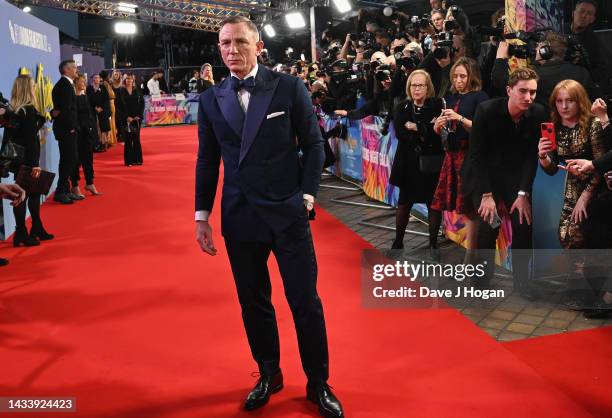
x,y
468,127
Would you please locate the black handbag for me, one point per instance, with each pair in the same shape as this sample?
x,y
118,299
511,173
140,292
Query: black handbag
x,y
11,157
430,164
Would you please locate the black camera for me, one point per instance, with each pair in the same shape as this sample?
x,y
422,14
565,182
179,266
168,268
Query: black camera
x,y
383,73
444,39
410,62
519,51
354,37
421,21
497,31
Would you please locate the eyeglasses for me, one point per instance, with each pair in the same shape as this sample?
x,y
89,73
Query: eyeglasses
x,y
418,86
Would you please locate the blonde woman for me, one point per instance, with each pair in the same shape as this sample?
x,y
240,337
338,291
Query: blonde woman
x,y
26,134
206,78
86,139
418,159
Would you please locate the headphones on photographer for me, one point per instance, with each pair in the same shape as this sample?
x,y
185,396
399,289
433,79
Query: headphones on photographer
x,y
545,51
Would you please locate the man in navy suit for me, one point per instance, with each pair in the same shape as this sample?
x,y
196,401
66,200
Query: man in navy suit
x,y
258,120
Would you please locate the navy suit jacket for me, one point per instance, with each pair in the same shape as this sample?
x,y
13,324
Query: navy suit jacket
x,y
264,177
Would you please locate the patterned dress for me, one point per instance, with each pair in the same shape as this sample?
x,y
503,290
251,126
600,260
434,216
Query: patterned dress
x,y
572,143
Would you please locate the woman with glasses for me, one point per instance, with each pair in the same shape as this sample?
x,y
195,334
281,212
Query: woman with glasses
x,y
418,159
454,126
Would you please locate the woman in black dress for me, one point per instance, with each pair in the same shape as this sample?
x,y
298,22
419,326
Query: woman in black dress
x,y
418,159
132,106
87,137
25,133
100,103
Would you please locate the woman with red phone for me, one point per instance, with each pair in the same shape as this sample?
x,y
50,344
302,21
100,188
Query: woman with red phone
x,y
579,135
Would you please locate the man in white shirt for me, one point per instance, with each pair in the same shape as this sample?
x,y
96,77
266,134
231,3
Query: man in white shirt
x,y
153,84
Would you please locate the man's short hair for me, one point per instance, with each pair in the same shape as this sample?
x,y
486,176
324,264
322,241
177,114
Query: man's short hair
x,y
63,65
522,74
234,20
591,2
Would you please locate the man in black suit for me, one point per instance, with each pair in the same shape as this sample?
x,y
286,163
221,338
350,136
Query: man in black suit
x,y
500,168
65,127
256,120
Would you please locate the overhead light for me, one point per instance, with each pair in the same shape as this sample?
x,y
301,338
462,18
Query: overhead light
x,y
127,8
27,9
125,28
388,11
343,6
295,20
269,30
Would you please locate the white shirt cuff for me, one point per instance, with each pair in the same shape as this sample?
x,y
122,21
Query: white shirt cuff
x,y
202,215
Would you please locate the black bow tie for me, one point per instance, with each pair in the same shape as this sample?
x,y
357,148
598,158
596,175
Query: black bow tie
x,y
247,84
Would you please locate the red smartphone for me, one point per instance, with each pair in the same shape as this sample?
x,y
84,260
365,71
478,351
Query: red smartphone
x,y
548,132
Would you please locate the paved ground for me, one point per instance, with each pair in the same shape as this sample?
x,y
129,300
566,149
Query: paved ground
x,y
506,319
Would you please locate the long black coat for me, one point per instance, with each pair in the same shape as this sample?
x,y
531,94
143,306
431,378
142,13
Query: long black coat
x,y
405,173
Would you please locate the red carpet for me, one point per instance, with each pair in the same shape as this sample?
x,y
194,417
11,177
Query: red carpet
x,y
578,363
125,313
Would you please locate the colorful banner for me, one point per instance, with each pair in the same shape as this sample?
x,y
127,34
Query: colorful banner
x,y
378,152
347,151
171,109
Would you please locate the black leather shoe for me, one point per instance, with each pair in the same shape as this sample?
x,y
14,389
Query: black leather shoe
x,y
41,234
73,196
260,395
3,262
329,405
62,198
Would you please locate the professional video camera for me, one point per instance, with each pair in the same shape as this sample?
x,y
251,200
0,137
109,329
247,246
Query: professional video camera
x,y
531,39
421,22
497,31
444,39
409,62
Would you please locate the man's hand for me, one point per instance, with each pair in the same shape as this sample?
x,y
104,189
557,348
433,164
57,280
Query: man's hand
x,y
340,112
98,109
579,167
523,206
502,50
204,237
2,111
600,109
487,209
12,192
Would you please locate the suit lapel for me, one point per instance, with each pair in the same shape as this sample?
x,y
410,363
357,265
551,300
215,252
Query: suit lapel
x,y
227,99
259,103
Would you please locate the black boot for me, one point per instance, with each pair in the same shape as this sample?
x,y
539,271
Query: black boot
x,y
39,232
21,237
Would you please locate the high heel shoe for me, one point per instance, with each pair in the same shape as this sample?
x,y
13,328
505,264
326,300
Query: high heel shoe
x,y
77,192
397,245
21,237
92,189
40,234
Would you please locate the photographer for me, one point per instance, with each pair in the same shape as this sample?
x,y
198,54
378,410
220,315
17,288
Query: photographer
x,y
583,17
438,63
406,62
551,68
381,102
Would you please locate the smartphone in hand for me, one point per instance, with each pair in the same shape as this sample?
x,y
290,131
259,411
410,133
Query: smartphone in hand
x,y
548,132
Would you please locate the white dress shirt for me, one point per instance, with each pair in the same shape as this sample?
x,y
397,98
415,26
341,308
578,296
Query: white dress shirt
x,y
153,86
243,98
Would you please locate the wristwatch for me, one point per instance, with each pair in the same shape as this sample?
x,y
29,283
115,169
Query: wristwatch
x,y
523,193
